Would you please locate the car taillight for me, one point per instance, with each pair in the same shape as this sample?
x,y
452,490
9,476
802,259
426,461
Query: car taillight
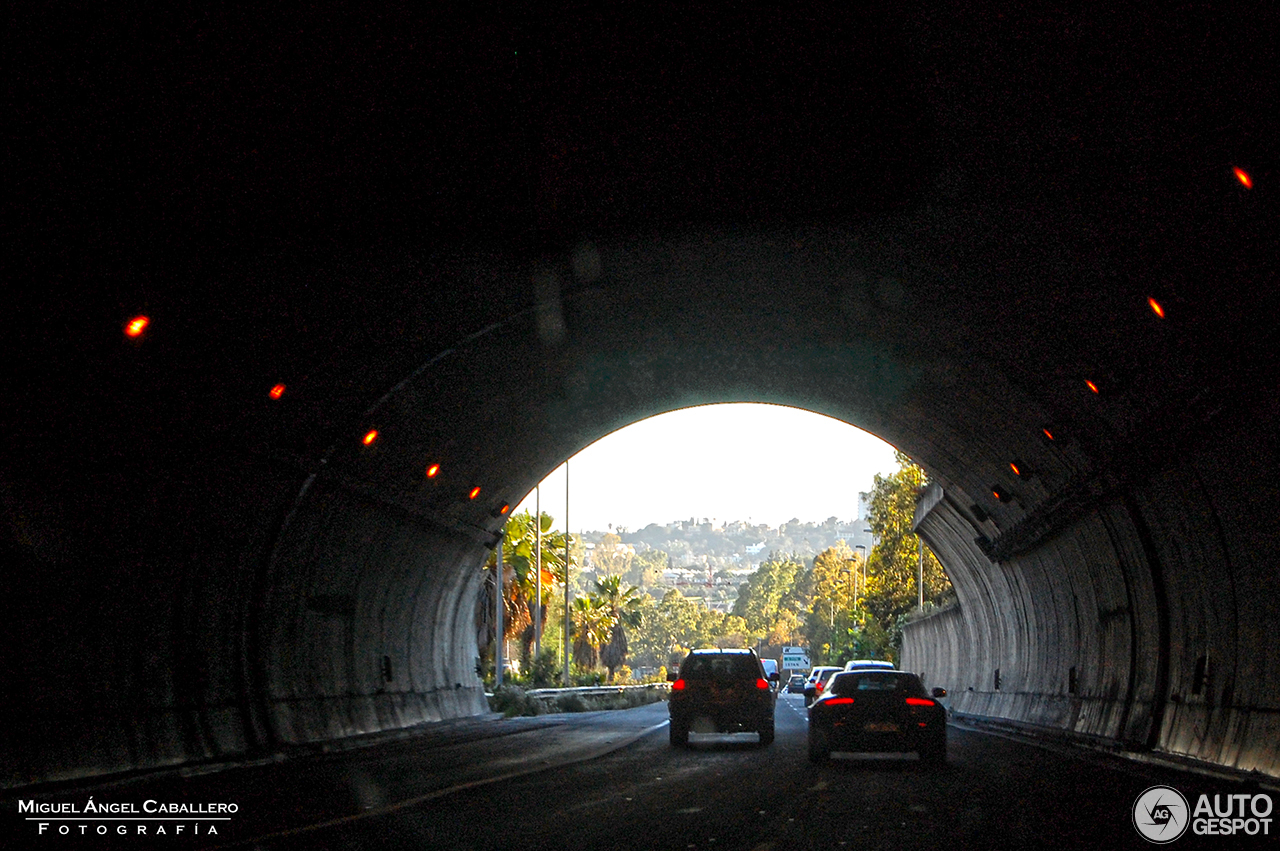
x,y
920,701
678,685
762,684
818,687
839,701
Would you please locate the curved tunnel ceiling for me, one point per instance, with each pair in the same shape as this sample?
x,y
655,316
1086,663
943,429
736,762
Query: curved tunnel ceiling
x,y
960,260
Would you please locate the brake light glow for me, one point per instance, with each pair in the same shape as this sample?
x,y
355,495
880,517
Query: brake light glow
x,y
370,437
678,685
1156,307
920,701
839,701
762,684
276,392
1243,176
432,471
136,326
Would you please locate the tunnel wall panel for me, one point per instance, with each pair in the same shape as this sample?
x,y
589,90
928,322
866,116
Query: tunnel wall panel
x,y
359,583
147,667
1089,597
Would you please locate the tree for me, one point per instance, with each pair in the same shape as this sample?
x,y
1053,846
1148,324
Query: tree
x,y
519,581
834,612
760,597
647,568
892,565
612,557
591,625
623,609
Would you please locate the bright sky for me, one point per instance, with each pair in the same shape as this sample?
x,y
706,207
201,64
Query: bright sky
x,y
763,463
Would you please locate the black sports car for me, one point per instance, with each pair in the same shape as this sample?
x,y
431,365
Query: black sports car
x,y
878,711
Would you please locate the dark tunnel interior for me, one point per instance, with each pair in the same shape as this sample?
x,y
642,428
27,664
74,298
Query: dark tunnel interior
x,y
1031,240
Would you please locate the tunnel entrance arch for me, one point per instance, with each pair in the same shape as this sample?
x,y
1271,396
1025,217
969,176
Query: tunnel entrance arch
x,y
1065,616
1104,541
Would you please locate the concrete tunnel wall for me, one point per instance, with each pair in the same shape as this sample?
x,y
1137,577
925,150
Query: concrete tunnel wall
x,y
260,613
1145,623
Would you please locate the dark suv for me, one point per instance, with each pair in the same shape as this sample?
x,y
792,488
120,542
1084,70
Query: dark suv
x,y
725,691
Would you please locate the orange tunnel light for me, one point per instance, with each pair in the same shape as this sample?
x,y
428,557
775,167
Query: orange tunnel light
x,y
136,326
370,436
277,391
432,471
1092,386
1015,469
1047,433
475,492
1156,308
1243,176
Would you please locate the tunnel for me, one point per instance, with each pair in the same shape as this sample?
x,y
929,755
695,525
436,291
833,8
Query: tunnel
x,y
258,524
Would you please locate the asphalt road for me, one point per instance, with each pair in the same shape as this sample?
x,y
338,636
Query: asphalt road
x,y
609,780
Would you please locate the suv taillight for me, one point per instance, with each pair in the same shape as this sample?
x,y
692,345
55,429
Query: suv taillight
x,y
919,701
678,685
762,684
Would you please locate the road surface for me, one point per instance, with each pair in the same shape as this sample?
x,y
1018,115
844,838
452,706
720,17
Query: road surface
x,y
610,780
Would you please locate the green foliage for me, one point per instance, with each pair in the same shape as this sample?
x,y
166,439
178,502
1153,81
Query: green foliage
x,y
647,568
521,577
677,624
545,669
512,700
891,586
760,598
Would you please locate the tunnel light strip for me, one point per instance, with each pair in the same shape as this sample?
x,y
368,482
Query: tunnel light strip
x,y
370,437
277,391
1243,176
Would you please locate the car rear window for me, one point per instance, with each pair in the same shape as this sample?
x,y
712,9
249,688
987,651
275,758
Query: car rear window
x,y
727,667
853,683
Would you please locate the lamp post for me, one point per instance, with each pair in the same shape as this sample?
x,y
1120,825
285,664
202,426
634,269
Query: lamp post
x,y
919,573
537,559
565,681
863,558
497,620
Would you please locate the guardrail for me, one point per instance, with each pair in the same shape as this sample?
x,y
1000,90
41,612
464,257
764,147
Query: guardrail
x,y
578,699
595,691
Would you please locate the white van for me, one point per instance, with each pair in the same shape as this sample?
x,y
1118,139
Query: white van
x,y
868,665
771,671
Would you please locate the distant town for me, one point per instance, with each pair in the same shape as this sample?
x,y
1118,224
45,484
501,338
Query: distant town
x,y
707,558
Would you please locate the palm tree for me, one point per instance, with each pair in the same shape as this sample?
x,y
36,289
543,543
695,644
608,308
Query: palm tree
x,y
591,623
519,580
623,608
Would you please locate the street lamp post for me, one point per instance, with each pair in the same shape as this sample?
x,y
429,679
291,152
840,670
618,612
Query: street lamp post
x,y
565,680
919,573
497,620
537,559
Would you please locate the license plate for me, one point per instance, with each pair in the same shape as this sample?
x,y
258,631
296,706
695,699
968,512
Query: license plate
x,y
881,727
